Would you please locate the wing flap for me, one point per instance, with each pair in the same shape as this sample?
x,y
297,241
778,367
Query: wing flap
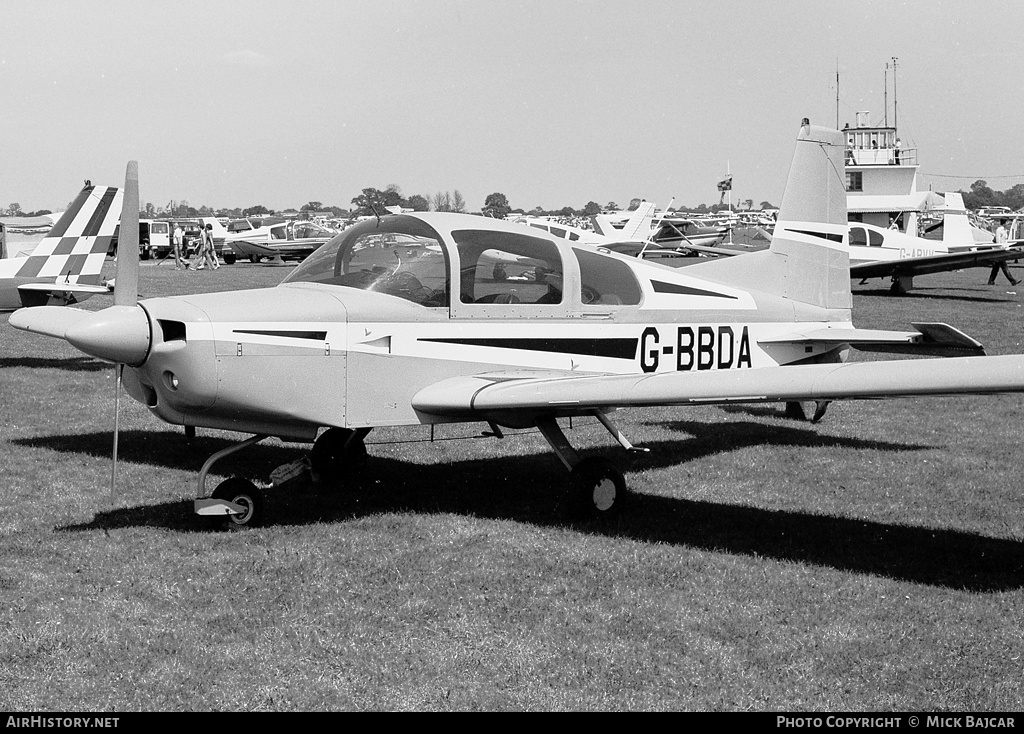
x,y
500,395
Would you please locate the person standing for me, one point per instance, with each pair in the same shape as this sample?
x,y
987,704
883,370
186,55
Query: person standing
x,y
177,239
1002,243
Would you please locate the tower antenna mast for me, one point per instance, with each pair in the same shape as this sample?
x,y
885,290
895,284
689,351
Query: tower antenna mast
x,y
894,59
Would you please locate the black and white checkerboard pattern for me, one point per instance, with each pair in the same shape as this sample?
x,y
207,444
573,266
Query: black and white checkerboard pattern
x,y
76,246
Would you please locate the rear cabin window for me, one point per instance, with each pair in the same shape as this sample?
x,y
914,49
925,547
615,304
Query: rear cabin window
x,y
499,267
605,281
860,237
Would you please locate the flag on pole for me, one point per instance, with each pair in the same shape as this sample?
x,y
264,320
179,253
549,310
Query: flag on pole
x,y
724,185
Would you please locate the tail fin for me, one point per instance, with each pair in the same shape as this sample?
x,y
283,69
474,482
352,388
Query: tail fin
x,y
637,227
74,249
957,232
217,227
808,261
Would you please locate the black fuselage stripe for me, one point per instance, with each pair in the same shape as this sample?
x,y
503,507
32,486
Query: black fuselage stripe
x,y
822,235
614,348
314,335
685,290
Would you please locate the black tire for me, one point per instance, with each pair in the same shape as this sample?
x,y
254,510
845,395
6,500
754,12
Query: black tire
x,y
808,411
254,258
597,488
243,492
337,454
229,258
144,253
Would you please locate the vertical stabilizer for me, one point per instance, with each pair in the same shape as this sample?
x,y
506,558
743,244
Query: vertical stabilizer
x,y
637,227
956,227
75,247
812,227
808,261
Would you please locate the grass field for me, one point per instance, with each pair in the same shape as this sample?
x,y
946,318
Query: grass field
x,y
873,561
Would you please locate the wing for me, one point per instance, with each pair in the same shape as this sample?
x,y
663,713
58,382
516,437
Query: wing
x,y
517,398
937,263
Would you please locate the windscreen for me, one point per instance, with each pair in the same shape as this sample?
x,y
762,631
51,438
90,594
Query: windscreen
x,y
398,256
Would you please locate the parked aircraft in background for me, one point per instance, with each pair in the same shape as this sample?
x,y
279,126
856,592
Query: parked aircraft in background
x,y
637,227
877,252
280,241
401,321
65,266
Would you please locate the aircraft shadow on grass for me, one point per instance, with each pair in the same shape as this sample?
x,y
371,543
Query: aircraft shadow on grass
x,y
527,488
922,294
70,364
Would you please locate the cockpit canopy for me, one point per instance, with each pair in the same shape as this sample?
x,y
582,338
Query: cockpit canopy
x,y
404,256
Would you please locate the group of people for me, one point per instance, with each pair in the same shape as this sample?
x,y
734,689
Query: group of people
x,y
205,255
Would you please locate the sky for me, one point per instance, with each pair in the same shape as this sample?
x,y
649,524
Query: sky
x,y
553,103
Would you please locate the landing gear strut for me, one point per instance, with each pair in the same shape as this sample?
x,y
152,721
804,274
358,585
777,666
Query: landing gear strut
x,y
236,501
597,487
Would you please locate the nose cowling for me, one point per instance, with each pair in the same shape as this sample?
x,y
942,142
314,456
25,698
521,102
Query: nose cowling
x,y
119,334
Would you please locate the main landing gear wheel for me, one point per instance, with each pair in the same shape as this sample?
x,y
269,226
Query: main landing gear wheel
x,y
338,453
597,488
241,492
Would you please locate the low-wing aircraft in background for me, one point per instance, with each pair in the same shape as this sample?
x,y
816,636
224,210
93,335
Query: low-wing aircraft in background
x,y
65,266
877,252
279,241
888,253
400,321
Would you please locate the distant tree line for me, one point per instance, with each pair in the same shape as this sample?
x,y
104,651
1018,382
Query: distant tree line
x,y
981,195
497,205
14,210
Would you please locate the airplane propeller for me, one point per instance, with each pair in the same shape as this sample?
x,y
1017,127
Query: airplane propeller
x,y
126,288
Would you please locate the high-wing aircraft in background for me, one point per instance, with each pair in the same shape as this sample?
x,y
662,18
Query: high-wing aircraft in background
x,y
65,266
400,321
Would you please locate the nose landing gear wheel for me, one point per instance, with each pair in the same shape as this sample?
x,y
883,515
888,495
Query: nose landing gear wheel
x,y
241,492
597,488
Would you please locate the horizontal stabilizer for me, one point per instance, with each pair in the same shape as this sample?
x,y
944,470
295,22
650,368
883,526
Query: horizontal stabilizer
x,y
930,339
509,398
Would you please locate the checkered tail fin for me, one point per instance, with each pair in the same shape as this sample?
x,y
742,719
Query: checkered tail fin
x,y
73,251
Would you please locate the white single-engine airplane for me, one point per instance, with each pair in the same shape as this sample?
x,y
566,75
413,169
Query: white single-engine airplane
x,y
65,266
401,321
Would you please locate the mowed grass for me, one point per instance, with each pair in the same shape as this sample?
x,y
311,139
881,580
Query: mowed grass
x,y
873,561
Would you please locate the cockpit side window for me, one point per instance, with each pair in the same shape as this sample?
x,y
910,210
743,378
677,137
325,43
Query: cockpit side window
x,y
501,267
400,257
605,281
858,237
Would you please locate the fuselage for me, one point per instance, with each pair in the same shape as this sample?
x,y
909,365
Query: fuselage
x,y
386,309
